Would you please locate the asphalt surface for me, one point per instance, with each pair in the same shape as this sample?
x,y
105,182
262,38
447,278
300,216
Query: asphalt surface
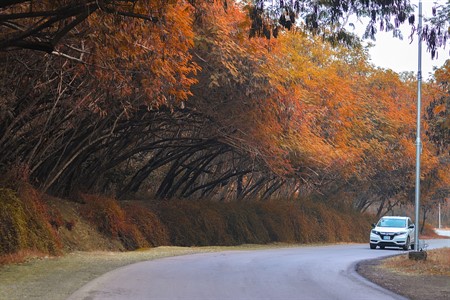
x,y
324,272
443,232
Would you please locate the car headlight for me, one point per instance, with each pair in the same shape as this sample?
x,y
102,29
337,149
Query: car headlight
x,y
375,232
402,233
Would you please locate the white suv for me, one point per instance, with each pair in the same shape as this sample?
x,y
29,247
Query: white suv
x,y
392,232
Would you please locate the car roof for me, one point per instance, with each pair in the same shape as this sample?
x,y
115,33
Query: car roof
x,y
394,217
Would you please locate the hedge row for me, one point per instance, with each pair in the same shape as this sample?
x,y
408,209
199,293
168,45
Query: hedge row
x,y
201,223
27,223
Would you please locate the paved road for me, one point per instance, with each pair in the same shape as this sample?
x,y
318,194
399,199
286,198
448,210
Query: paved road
x,y
443,232
325,272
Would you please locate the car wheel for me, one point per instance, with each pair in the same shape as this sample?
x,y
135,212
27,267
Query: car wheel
x,y
406,247
412,246
373,246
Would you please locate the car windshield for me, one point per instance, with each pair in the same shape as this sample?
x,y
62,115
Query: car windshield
x,y
392,223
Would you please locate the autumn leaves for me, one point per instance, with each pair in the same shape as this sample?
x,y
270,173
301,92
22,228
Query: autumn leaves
x,y
186,105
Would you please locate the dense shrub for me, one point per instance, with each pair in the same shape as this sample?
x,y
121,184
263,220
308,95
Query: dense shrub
x,y
196,223
275,220
215,223
25,223
245,224
110,219
148,223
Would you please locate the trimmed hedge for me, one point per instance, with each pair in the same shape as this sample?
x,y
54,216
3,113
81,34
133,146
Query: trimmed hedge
x,y
201,223
148,223
110,219
26,222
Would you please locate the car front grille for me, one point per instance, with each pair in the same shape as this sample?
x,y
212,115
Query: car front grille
x,y
387,236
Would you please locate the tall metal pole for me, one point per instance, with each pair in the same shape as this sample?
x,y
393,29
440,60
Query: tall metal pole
x,y
418,142
439,206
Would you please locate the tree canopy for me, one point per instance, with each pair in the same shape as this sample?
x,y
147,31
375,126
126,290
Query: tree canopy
x,y
174,100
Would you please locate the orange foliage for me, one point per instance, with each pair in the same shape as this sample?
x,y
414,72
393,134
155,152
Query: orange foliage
x,y
319,91
137,50
307,110
233,88
137,59
341,114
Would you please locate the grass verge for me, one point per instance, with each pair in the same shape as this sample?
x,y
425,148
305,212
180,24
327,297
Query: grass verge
x,y
437,263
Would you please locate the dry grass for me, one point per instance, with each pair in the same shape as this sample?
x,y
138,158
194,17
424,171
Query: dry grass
x,y
21,256
437,263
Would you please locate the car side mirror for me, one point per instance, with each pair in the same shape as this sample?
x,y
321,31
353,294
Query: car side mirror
x,y
411,226
373,225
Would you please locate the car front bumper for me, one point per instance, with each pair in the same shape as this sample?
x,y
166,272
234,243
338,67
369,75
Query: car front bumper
x,y
388,240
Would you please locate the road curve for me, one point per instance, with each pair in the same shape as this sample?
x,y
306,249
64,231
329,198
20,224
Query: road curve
x,y
325,272
443,232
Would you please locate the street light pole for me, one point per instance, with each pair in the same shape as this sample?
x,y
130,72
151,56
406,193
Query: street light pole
x,y
439,206
418,142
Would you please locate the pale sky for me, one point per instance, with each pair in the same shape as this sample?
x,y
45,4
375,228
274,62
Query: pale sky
x,y
401,55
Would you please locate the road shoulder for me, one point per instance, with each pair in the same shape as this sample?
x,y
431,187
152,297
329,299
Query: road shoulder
x,y
414,287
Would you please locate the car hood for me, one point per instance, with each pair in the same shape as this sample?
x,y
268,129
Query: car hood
x,y
390,229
